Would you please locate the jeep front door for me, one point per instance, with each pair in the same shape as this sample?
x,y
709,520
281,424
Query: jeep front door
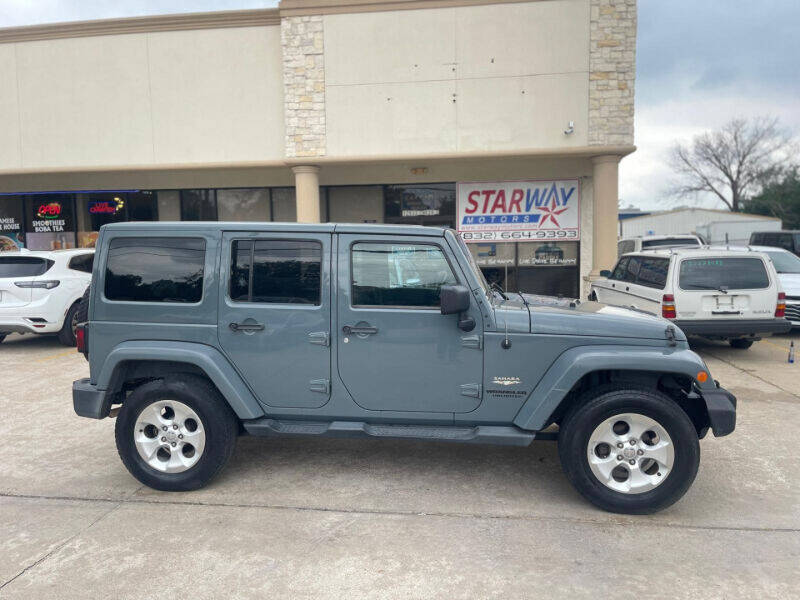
x,y
396,351
275,314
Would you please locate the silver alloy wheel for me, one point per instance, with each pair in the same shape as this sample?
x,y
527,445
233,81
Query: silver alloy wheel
x,y
169,436
630,453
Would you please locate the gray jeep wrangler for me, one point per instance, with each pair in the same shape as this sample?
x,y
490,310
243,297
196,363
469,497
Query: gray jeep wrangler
x,y
199,332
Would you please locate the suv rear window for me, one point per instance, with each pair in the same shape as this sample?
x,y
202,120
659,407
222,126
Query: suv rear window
x,y
728,273
23,266
155,269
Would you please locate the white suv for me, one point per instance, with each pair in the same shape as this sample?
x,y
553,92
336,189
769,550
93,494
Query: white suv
x,y
717,294
39,291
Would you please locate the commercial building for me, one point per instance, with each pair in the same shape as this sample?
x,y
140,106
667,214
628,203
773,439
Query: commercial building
x,y
506,120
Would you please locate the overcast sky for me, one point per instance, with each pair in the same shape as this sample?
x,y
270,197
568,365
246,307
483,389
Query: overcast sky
x,y
699,64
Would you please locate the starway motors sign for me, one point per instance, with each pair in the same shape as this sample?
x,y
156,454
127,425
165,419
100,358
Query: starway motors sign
x,y
519,210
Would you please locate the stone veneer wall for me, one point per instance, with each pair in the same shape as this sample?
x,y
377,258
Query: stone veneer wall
x,y
612,69
302,39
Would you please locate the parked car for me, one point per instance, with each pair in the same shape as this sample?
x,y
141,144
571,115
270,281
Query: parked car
x,y
787,265
199,331
716,294
788,240
39,291
650,242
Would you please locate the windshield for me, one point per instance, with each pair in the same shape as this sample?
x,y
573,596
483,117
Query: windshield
x,y
476,269
670,242
723,274
785,262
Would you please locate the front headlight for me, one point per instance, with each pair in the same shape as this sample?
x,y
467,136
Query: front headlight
x,y
47,285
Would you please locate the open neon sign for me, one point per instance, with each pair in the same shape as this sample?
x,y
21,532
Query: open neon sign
x,y
51,210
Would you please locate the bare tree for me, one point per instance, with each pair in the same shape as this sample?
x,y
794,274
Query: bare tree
x,y
734,162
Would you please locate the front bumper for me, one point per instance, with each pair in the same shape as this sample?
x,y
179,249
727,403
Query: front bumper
x,y
721,408
88,401
734,328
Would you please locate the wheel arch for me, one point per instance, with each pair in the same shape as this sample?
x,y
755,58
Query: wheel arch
x,y
583,368
132,363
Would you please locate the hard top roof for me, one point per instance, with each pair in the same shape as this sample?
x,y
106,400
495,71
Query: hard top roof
x,y
267,226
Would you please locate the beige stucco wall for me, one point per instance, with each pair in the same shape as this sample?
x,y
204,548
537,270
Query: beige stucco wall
x,y
210,95
497,77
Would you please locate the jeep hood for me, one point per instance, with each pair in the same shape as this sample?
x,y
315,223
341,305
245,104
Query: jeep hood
x,y
564,316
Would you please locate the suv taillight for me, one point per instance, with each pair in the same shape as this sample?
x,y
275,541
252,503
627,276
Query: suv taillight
x,y
780,308
668,306
82,339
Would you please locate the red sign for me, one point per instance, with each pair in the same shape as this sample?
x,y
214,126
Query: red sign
x,y
52,210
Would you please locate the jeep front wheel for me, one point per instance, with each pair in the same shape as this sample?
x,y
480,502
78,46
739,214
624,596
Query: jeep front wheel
x,y
175,434
629,450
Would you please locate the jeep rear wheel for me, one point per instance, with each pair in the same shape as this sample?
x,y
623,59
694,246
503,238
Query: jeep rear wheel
x,y
629,450
175,434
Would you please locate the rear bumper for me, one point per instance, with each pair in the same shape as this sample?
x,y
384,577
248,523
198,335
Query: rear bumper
x,y
88,401
733,328
721,407
23,325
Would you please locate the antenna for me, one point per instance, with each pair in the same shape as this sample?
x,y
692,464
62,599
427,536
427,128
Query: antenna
x,y
506,343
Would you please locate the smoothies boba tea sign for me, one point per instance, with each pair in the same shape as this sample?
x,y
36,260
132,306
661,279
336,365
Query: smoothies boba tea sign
x,y
519,210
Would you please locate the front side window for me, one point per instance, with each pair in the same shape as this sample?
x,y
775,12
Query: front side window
x,y
276,271
155,269
23,266
396,274
723,273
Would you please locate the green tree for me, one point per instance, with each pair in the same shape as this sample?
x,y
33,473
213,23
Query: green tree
x,y
779,199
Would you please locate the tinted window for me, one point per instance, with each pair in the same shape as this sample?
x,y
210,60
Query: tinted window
x,y
198,205
619,270
670,243
23,266
632,270
728,273
399,274
276,271
82,263
155,269
653,272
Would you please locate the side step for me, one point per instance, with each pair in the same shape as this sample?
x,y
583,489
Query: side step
x,y
480,434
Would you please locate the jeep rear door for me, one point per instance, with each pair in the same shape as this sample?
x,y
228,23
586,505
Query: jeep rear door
x,y
396,351
275,314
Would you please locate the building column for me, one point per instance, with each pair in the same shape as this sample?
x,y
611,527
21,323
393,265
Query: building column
x,y
306,184
605,199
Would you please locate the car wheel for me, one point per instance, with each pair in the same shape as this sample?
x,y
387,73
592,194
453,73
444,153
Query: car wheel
x,y
741,344
592,297
67,334
629,450
83,307
175,434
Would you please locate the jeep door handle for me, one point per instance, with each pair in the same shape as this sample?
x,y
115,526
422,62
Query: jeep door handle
x,y
246,327
348,330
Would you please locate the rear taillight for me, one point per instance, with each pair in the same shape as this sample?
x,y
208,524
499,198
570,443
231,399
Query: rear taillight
x,y
668,306
82,339
45,285
780,308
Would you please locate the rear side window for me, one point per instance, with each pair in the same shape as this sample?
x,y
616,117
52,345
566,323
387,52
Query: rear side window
x,y
155,269
632,270
276,271
723,273
82,263
653,272
401,275
23,266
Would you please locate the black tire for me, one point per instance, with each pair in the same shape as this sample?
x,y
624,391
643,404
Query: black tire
x,y
218,420
740,344
83,307
596,406
67,334
592,297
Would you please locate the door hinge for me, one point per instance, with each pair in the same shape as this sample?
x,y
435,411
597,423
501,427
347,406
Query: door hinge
x,y
473,390
323,386
472,341
320,338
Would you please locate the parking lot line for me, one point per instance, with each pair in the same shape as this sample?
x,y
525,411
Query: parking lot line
x,y
57,355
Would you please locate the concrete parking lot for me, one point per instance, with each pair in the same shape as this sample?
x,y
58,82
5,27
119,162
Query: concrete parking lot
x,y
306,518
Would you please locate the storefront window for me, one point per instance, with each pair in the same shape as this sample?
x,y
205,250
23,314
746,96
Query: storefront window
x,y
243,204
423,204
284,208
50,221
142,206
12,236
198,205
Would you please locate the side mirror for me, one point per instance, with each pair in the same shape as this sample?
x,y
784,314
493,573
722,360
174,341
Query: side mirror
x,y
605,273
454,299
